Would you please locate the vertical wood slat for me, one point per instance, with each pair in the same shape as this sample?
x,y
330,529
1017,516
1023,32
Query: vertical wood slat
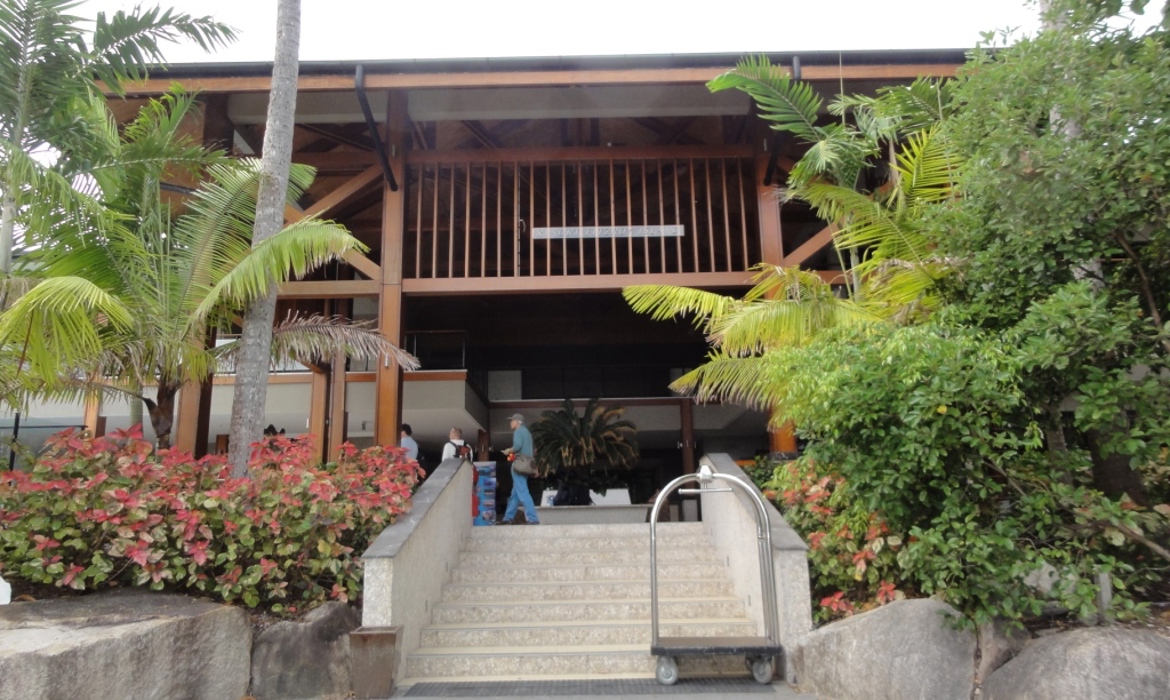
x,y
435,224
658,166
726,214
499,219
645,221
612,221
629,216
451,223
467,226
418,231
710,217
580,218
743,230
548,217
596,220
694,216
531,219
516,219
483,222
564,219
678,215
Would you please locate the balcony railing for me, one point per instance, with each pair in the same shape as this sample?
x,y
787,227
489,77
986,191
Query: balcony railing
x,y
617,211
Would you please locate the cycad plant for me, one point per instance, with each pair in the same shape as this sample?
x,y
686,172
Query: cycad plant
x,y
581,448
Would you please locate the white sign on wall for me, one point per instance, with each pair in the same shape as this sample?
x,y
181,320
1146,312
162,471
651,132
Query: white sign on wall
x,y
589,232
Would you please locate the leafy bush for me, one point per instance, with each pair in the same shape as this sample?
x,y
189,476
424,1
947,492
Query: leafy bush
x,y
930,427
852,553
110,512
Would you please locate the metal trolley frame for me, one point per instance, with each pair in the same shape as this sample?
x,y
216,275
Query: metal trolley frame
x,y
759,652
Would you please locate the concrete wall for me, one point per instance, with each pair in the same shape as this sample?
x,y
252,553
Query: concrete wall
x,y
407,565
730,520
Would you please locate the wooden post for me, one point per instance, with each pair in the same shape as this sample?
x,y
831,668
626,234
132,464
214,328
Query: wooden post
x,y
771,241
687,434
318,410
337,411
388,399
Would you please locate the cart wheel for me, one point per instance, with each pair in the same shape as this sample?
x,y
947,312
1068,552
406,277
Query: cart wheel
x,y
761,668
667,670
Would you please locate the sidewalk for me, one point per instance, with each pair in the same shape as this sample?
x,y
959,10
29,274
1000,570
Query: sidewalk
x,y
631,689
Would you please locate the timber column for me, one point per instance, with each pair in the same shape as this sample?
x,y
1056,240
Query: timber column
x,y
772,252
388,401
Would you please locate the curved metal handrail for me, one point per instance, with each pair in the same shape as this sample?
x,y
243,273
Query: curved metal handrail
x,y
705,476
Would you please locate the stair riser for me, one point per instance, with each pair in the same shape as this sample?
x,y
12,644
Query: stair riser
x,y
593,635
664,530
559,665
445,614
706,555
598,572
620,590
556,544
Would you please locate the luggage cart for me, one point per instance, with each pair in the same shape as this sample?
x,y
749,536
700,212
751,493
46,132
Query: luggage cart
x,y
759,652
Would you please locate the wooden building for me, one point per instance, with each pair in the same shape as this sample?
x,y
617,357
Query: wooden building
x,y
515,199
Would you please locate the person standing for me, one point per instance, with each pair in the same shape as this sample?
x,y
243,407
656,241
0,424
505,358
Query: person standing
x,y
407,442
521,445
455,441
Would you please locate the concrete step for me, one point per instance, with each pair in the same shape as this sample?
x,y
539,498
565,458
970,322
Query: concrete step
x,y
626,555
554,634
604,660
586,572
579,543
527,532
577,610
596,590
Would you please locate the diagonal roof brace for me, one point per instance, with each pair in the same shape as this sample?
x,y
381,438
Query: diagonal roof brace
x,y
359,86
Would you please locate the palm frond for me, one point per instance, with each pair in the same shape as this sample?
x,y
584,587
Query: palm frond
x,y
293,252
316,338
788,105
127,42
61,322
664,302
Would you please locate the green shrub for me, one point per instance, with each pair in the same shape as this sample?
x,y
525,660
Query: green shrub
x,y
111,512
852,553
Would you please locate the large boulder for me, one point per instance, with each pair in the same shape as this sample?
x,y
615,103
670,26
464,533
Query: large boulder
x,y
905,650
125,645
1087,664
306,659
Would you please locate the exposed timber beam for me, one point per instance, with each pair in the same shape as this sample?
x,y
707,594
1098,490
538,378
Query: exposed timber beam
x,y
329,289
645,76
810,247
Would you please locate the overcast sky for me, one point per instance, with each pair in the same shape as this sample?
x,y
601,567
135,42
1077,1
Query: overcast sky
x,y
346,30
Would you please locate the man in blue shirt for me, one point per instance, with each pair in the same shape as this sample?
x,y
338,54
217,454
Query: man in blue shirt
x,y
521,445
407,442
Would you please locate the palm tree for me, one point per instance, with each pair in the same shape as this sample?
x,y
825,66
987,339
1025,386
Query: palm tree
x,y
895,271
50,62
177,269
570,444
255,336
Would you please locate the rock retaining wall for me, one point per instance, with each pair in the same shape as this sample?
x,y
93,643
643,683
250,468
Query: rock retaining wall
x,y
126,645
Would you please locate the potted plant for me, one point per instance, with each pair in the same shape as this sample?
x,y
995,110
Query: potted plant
x,y
585,451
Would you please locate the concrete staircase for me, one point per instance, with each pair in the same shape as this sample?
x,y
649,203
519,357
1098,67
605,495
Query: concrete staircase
x,y
573,602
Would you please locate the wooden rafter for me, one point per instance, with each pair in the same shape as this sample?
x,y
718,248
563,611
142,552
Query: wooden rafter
x,y
481,133
810,247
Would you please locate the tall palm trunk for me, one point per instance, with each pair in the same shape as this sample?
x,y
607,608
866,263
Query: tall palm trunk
x,y
251,389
